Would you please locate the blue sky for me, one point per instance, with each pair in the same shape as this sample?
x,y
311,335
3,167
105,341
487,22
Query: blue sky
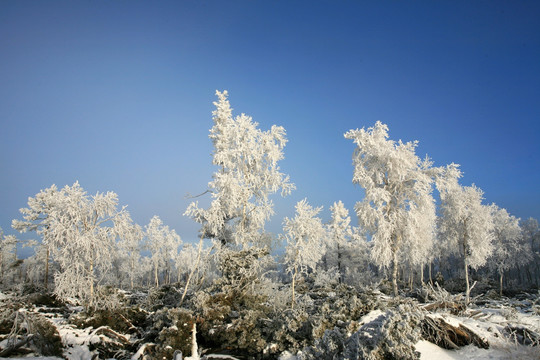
x,y
118,94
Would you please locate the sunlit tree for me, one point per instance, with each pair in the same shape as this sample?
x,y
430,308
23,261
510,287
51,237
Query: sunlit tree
x,y
304,235
465,225
398,208
163,244
248,173
80,231
531,234
509,248
8,255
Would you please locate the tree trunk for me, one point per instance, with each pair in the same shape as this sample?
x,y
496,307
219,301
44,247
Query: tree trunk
x,y
47,270
467,289
91,280
192,270
501,272
339,264
156,277
422,274
430,277
293,284
395,272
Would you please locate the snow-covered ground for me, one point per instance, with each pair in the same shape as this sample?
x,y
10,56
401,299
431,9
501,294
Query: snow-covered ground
x,y
498,322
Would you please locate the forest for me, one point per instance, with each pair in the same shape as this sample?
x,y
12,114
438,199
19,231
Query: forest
x,y
430,268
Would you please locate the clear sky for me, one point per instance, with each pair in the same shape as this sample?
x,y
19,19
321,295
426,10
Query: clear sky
x,y
118,94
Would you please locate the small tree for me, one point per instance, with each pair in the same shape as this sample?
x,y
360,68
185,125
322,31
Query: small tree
x,y
510,249
129,250
304,235
8,255
342,238
80,231
163,244
398,208
531,234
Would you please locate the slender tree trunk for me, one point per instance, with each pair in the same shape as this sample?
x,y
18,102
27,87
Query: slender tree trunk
x,y
395,272
293,284
429,270
501,282
92,280
192,270
156,277
47,270
422,274
339,263
467,289
132,272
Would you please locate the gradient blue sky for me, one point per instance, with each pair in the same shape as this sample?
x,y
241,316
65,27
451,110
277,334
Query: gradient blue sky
x,y
118,94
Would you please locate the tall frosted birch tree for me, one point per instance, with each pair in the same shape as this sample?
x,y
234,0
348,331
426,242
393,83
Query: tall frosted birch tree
x,y
305,236
398,208
465,224
80,231
248,173
509,246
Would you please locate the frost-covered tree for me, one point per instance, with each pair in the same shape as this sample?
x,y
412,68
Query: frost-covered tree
x,y
8,255
398,208
531,234
35,264
36,218
509,248
465,224
304,235
344,244
163,244
129,250
248,173
80,231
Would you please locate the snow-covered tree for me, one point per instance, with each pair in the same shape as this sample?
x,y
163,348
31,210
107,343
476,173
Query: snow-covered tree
x,y
8,255
163,244
304,235
465,224
129,251
531,234
36,218
398,208
509,248
248,172
343,243
80,231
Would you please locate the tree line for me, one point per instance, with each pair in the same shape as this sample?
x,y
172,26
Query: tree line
x,y
89,242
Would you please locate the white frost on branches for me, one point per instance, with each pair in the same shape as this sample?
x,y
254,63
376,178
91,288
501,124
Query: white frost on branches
x,y
510,248
163,244
304,235
80,231
398,209
465,224
248,173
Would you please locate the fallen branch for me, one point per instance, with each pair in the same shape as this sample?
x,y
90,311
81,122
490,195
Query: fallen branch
x,y
447,336
10,349
119,338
